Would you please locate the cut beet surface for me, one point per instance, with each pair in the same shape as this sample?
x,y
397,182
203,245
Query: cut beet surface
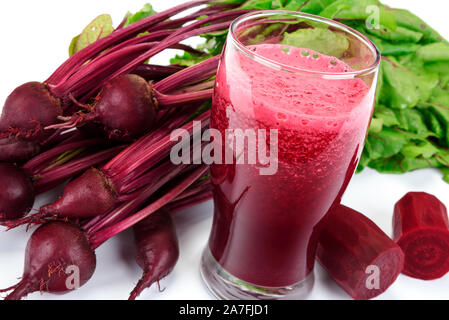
x,y
357,254
421,229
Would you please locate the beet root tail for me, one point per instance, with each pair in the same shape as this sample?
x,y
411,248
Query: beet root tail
x,y
30,221
73,121
147,280
21,290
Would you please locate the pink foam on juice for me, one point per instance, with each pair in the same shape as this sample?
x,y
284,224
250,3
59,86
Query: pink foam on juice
x,y
263,225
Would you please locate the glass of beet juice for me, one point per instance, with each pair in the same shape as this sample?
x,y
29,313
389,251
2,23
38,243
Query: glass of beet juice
x,y
293,100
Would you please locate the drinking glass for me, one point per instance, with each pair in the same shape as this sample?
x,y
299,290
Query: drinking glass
x,y
293,100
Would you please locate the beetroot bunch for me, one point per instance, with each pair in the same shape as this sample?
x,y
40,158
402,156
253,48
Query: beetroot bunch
x,y
102,122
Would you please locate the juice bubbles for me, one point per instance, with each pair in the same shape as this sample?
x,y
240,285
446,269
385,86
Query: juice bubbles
x,y
263,224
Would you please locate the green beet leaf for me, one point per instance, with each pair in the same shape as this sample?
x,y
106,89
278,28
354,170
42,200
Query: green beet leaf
x,y
440,96
399,35
376,125
145,12
437,51
294,5
316,6
318,39
424,149
441,113
406,19
412,121
441,68
400,164
400,89
388,116
364,10
386,143
99,28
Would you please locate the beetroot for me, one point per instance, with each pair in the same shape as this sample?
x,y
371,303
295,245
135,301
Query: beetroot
x,y
84,197
16,150
28,110
125,108
58,259
17,194
421,229
157,249
358,255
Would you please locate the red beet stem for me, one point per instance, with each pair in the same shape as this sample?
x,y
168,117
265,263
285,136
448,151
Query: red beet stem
x,y
421,229
184,77
176,23
95,71
357,254
155,72
103,235
81,57
194,88
149,155
161,175
47,179
199,187
183,34
33,166
177,99
197,193
160,171
147,140
152,38
130,57
186,203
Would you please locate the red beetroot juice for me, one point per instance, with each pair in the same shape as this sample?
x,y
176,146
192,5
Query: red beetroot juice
x,y
263,224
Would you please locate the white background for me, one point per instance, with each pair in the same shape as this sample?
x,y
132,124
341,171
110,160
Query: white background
x,y
34,40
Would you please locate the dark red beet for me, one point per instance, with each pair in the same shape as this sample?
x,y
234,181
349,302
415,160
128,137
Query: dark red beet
x,y
125,108
16,150
157,249
421,229
58,259
358,255
87,196
28,110
17,195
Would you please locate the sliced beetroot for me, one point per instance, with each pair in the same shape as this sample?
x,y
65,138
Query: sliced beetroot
x,y
17,194
85,197
421,229
354,251
28,110
157,249
58,259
